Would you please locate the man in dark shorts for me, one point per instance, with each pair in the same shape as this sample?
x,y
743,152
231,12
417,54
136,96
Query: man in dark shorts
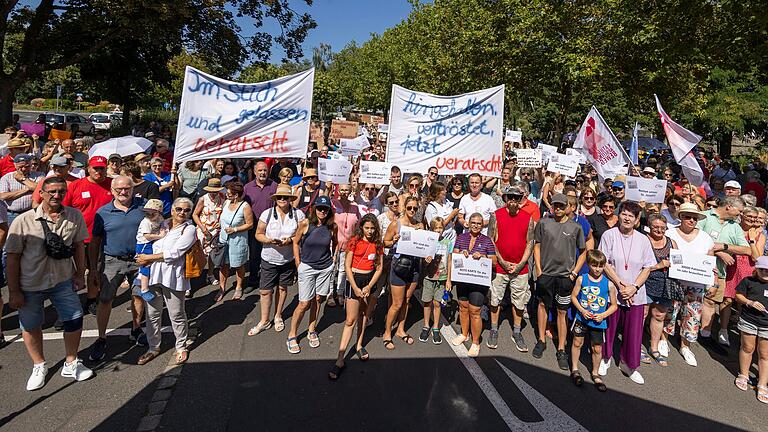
x,y
559,252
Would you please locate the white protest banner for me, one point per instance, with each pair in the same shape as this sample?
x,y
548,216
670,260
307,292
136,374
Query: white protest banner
x,y
416,242
513,136
573,152
470,270
353,147
457,134
374,172
333,170
528,158
220,118
643,189
689,267
546,152
599,145
563,164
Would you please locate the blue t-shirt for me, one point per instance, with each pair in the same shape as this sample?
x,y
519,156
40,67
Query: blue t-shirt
x,y
166,196
594,297
118,228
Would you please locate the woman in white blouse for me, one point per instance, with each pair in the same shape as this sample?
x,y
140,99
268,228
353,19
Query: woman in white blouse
x,y
167,280
440,206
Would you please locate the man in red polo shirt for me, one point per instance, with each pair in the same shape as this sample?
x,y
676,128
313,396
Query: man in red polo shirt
x,y
88,194
15,147
514,244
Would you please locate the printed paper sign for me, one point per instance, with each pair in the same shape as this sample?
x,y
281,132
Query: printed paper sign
x,y
513,136
332,170
33,129
563,164
383,128
220,118
457,134
690,267
336,156
470,270
546,152
343,129
528,158
353,147
374,172
643,189
416,242
577,154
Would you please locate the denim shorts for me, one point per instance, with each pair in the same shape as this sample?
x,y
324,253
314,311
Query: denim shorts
x,y
64,299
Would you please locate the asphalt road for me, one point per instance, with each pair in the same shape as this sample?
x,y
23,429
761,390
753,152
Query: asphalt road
x,y
233,382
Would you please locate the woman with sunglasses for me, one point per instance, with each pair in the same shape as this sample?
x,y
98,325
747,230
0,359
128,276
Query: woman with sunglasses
x,y
413,190
314,247
605,220
164,181
276,228
389,215
588,201
168,281
671,209
236,219
403,274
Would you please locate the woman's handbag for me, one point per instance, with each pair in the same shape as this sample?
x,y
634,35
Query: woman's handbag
x,y
195,261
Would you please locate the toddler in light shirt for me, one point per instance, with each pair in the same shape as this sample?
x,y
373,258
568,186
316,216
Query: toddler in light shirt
x,y
149,231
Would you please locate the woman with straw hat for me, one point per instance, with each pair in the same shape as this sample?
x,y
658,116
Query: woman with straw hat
x,y
275,230
207,217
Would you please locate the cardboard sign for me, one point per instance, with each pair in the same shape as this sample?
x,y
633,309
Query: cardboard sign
x,y
513,136
316,134
470,270
332,170
642,189
416,242
563,164
59,134
343,129
689,267
33,129
528,158
375,172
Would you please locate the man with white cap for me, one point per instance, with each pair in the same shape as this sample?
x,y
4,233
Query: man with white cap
x,y
649,173
732,188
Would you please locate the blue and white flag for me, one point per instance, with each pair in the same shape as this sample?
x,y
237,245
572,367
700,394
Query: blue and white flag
x,y
633,147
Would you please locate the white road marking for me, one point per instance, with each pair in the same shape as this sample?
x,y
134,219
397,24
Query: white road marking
x,y
554,418
86,334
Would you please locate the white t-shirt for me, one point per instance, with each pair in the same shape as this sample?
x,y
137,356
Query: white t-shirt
x,y
701,244
443,210
146,226
484,205
278,228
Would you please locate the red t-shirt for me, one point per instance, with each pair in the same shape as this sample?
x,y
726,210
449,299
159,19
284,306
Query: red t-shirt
x,y
87,196
532,209
6,165
363,253
167,157
512,236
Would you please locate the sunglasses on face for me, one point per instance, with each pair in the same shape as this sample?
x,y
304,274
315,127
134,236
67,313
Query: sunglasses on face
x,y
608,207
322,209
183,210
514,198
370,189
311,177
588,198
673,204
617,189
687,217
391,202
411,208
281,198
56,192
432,173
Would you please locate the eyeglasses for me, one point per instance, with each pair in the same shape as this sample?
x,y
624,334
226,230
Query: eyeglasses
x,y
673,204
617,189
608,207
411,208
432,173
687,216
322,209
587,198
311,177
514,198
370,189
183,209
413,185
56,192
667,174
391,202
122,189
281,198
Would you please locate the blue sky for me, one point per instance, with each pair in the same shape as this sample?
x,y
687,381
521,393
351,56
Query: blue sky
x,y
342,21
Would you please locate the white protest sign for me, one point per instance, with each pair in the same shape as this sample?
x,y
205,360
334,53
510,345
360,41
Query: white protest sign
x,y
528,158
577,154
643,189
470,270
374,172
513,136
383,128
457,134
563,164
416,242
353,147
691,267
220,118
333,170
336,156
546,152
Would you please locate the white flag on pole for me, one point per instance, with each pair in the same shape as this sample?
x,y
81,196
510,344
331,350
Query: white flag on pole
x,y
682,141
599,145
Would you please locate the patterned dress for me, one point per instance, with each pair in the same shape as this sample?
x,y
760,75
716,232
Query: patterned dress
x,y
209,217
742,268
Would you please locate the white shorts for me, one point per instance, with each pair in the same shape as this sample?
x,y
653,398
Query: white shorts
x,y
314,282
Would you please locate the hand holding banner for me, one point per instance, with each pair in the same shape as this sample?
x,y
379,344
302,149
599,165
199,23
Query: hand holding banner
x,y
332,170
416,242
528,158
643,189
695,268
563,164
470,270
375,172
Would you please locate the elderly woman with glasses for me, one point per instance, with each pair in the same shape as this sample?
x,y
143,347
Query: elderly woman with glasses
x,y
168,281
164,181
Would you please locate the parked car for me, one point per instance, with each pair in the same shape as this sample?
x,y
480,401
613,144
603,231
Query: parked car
x,y
71,122
101,121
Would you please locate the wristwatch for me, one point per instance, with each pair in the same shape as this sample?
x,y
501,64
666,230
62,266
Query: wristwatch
x,y
725,247
751,242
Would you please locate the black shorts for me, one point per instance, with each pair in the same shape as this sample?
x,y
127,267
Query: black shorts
x,y
475,294
554,290
361,279
596,335
274,275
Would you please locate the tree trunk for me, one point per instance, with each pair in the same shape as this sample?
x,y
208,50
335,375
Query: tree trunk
x,y
7,94
724,144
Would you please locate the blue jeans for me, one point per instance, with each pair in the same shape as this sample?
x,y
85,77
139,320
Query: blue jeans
x,y
64,299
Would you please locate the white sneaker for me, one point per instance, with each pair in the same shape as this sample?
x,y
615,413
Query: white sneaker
x,y
76,370
37,378
633,374
722,338
688,356
664,348
602,370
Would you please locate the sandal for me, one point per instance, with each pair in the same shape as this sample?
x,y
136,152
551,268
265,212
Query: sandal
x,y
599,384
279,325
576,378
389,345
220,295
335,372
314,340
238,294
644,357
182,357
258,328
147,357
742,382
362,354
762,394
660,359
293,346
407,339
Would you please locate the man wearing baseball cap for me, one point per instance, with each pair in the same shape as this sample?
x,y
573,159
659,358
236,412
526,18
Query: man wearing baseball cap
x,y
16,187
88,194
59,167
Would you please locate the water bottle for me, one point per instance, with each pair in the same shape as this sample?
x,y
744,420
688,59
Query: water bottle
x,y
446,298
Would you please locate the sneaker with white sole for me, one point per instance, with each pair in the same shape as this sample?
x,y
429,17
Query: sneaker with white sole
x,y
664,348
633,374
37,378
688,356
76,370
722,338
602,370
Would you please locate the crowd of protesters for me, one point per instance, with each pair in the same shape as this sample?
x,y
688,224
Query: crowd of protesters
x,y
570,254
